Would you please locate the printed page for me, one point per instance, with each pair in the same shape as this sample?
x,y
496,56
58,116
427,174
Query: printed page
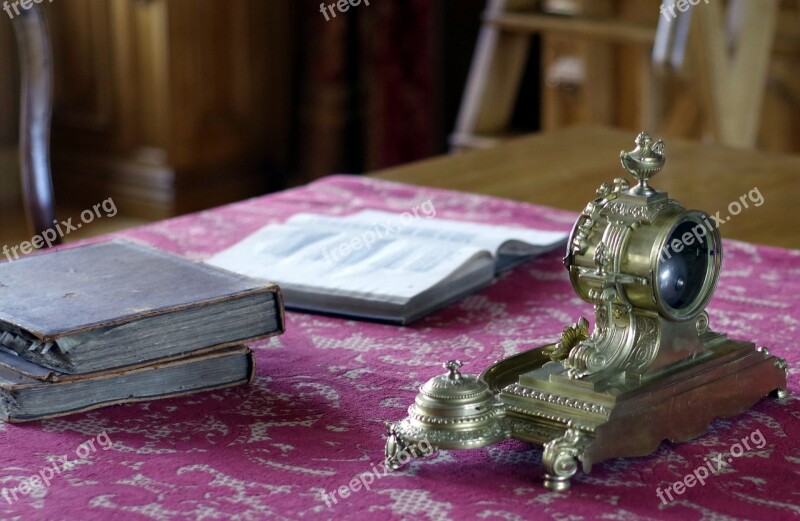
x,y
317,254
377,225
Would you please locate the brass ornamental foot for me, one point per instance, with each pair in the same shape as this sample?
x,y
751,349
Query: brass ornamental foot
x,y
561,456
396,453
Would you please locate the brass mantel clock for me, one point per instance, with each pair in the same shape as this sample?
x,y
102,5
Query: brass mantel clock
x,y
650,370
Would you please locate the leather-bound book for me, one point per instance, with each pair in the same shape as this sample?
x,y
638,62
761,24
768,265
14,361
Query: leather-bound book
x,y
29,392
115,304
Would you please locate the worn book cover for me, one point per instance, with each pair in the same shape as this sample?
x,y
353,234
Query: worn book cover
x,y
26,398
113,304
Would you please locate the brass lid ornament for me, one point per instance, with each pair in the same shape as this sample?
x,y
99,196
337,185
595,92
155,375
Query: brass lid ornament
x,y
643,162
650,365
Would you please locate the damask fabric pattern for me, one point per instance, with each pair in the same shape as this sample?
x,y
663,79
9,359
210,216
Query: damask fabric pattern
x,y
314,417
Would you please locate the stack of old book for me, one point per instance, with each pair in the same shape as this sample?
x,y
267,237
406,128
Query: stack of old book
x,y
118,322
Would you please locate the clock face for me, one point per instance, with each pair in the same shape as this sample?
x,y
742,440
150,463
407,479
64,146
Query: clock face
x,y
684,266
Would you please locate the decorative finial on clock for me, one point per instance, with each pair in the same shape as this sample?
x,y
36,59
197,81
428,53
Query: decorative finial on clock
x,y
643,162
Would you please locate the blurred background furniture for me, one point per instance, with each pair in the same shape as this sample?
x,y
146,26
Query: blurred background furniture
x,y
728,67
723,78
155,102
33,42
576,54
170,106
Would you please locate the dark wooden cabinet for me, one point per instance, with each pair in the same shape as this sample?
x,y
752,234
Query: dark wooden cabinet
x,y
169,106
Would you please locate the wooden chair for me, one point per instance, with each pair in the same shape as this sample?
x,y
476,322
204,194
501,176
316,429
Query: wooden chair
x,y
36,71
731,52
728,83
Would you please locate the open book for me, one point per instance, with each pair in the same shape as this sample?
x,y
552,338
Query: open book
x,y
380,265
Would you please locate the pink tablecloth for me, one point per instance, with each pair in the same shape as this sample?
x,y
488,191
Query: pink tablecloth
x,y
314,417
